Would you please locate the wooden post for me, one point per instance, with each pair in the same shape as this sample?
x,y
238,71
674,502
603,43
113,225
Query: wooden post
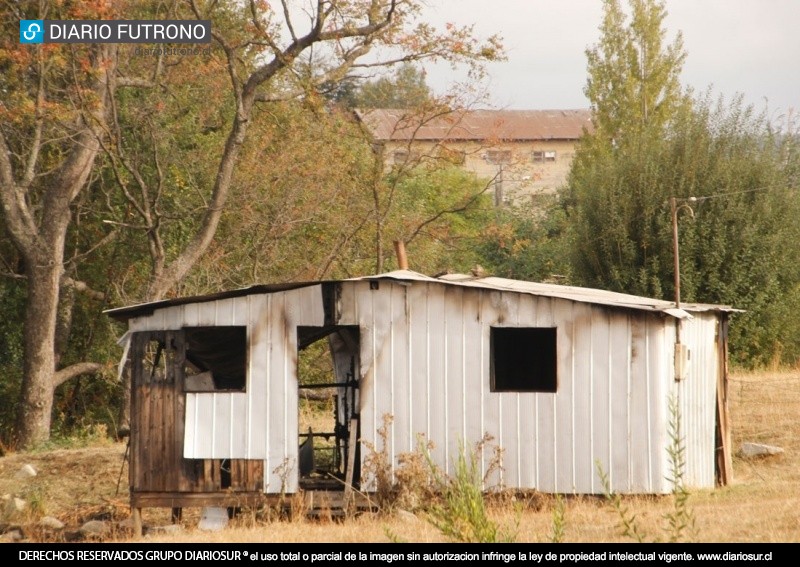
x,y
675,257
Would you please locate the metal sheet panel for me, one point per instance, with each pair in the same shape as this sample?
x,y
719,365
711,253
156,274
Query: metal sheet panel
x,y
454,400
399,358
434,404
610,405
697,400
619,377
419,376
257,387
476,368
375,321
509,437
578,368
661,363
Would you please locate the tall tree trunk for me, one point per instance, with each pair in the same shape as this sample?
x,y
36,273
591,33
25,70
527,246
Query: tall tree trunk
x,y
36,403
38,230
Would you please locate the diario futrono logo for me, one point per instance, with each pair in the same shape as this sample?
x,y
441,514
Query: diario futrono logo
x,y
31,31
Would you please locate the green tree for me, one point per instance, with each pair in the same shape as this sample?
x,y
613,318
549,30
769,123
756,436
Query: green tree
x,y
528,242
634,78
54,101
440,212
739,246
405,89
61,103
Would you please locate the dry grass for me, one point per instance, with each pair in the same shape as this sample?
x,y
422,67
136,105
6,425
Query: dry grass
x,y
761,505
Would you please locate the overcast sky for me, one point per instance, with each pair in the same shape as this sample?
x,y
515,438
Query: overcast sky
x,y
749,47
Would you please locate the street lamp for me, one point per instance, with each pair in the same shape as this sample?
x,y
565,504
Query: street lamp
x,y
675,207
681,352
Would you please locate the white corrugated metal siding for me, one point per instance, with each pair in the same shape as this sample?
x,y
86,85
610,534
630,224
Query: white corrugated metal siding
x,y
426,363
697,399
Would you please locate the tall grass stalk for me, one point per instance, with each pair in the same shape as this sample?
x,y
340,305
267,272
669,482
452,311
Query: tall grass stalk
x,y
680,520
558,521
461,514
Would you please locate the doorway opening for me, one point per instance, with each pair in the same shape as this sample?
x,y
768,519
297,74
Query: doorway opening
x,y
328,402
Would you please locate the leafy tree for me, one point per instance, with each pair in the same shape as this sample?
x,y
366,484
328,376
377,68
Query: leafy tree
x,y
54,102
299,210
440,212
634,79
528,242
405,89
64,103
738,244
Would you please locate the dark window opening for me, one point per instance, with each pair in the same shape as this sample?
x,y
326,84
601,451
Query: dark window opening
x,y
216,358
156,360
523,359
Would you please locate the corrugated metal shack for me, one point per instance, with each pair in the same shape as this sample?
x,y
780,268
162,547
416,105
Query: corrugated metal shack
x,y
563,379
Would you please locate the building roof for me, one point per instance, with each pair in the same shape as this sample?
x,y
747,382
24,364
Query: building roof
x,y
476,125
572,293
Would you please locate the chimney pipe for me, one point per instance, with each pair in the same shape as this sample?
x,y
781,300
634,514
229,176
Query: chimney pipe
x,y
400,252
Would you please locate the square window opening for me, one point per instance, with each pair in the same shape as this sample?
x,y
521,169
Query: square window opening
x,y
523,359
542,156
216,359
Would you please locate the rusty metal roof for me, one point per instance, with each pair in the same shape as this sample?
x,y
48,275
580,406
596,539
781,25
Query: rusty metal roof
x,y
476,125
572,293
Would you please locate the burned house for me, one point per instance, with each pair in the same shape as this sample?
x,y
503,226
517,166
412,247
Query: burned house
x,y
563,379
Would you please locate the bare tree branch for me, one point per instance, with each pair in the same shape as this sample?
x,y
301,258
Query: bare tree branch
x,y
83,287
74,370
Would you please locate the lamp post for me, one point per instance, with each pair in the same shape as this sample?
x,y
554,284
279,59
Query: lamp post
x,y
674,207
681,352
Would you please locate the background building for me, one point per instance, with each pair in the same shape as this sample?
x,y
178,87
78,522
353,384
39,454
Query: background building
x,y
523,152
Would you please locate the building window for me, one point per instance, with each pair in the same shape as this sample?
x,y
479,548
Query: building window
x,y
216,358
498,157
543,156
523,359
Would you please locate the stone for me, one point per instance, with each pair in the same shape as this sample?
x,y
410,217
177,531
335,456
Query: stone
x,y
51,523
27,471
14,506
12,536
405,515
94,528
753,450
